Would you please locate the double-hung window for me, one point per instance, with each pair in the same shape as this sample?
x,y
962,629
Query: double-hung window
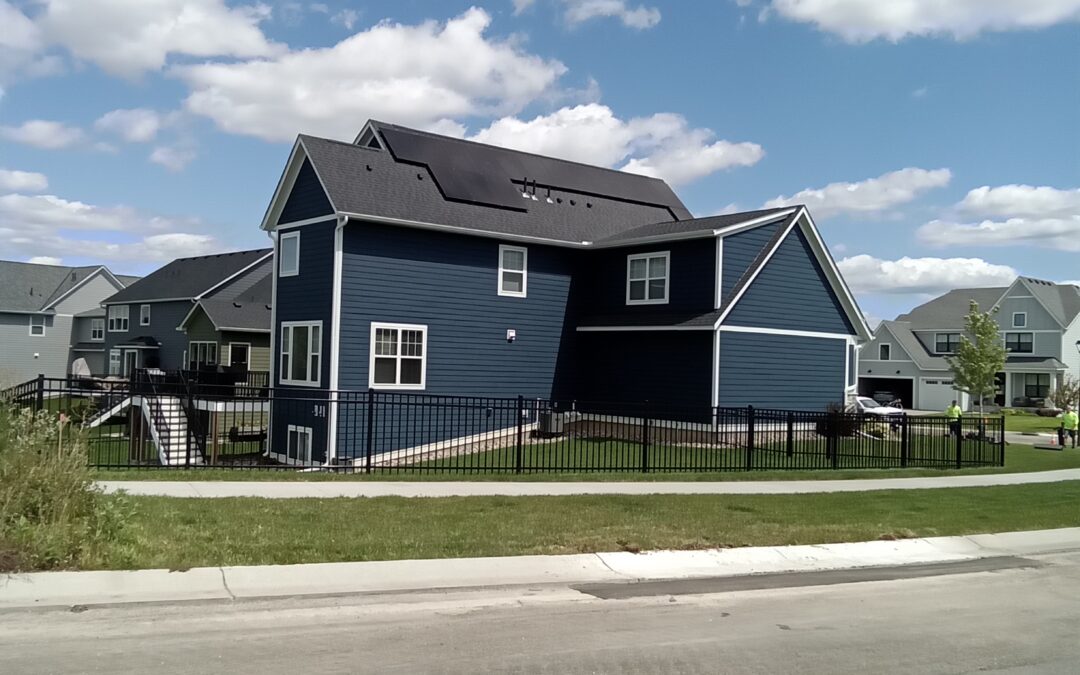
x,y
298,447
144,315
647,277
289,254
513,270
1019,343
946,343
202,354
118,318
398,356
97,330
114,361
301,353
37,325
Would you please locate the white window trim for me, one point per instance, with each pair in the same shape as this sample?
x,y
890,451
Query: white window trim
x,y
119,316
282,272
33,326
194,343
947,332
524,271
144,315
884,344
115,359
100,322
248,345
313,349
666,255
300,431
1018,333
423,357
1016,314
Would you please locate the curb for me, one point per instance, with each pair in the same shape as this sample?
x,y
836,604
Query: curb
x,y
66,589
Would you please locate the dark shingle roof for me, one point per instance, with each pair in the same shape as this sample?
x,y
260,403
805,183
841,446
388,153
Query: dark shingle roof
x,y
29,287
247,311
1048,361
707,224
188,277
949,310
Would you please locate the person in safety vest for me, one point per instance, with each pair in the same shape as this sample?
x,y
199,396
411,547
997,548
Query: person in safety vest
x,y
953,414
1070,421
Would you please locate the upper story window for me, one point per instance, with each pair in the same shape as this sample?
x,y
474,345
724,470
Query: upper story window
x,y
647,278
97,330
946,343
1019,320
513,270
884,351
289,254
301,353
202,354
1020,343
398,356
37,325
118,318
144,315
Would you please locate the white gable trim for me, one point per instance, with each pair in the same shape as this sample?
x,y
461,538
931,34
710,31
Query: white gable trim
x,y
755,273
100,270
1022,281
285,186
233,276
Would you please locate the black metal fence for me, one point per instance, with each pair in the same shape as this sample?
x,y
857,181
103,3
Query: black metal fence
x,y
183,420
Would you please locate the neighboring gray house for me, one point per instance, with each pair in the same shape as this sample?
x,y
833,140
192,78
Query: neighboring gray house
x,y
50,315
144,322
1039,326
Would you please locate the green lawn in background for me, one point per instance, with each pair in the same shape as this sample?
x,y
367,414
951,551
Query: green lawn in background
x,y
182,533
1030,423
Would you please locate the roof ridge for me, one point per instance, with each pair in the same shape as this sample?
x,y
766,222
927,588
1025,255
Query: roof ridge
x,y
214,255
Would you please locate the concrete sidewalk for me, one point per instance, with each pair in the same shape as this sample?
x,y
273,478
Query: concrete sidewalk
x,y
361,488
65,589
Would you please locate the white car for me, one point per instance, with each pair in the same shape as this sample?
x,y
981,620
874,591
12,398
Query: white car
x,y
868,406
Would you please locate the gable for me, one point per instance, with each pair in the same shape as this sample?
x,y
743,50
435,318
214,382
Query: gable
x,y
307,198
740,251
87,296
885,336
1019,301
791,292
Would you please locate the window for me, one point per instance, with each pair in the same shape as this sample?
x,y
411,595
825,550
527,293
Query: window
x,y
1036,385
114,361
1019,320
301,349
289,255
202,354
513,270
118,318
144,315
97,330
647,279
398,356
298,447
1020,343
37,325
946,343
884,352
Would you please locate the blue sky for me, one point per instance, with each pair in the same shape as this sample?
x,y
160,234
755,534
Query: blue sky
x,y
936,142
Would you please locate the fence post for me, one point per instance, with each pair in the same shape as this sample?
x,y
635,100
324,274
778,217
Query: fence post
x,y
39,403
749,438
645,442
832,439
519,458
905,440
1001,441
959,443
369,439
790,434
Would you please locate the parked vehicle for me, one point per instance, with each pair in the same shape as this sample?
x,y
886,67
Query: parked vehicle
x,y
869,406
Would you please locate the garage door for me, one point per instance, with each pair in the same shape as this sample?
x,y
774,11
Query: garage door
x,y
937,393
887,389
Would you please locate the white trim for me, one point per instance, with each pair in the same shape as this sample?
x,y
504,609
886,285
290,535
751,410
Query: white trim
x,y
88,277
230,346
281,258
1016,314
1005,341
399,327
1021,280
217,353
751,224
273,344
326,218
316,382
889,361
946,332
285,184
300,431
43,325
242,330
92,320
648,257
138,301
335,337
144,308
718,294
755,273
464,230
716,369
784,331
871,376
630,329
182,326
118,353
126,318
880,345
231,277
524,271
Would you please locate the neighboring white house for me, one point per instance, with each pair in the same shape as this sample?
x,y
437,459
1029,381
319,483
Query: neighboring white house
x,y
1039,326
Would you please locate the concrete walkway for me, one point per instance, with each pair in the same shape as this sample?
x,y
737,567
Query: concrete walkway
x,y
361,488
65,589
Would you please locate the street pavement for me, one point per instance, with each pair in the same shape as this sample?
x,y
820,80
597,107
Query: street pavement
x,y
1015,615
360,488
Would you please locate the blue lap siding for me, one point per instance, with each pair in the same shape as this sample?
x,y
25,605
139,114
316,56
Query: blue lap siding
x,y
780,371
692,278
307,199
740,251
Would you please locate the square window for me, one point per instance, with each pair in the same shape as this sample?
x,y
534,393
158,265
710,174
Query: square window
x,y
37,325
1019,319
513,271
647,278
398,356
289,254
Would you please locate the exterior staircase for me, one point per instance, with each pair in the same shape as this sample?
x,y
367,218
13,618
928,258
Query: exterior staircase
x,y
169,430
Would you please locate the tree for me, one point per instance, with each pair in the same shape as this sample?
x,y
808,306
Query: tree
x,y
980,357
1066,393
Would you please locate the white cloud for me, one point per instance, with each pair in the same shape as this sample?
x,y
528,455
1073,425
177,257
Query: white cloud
x,y
22,181
640,17
661,145
868,196
522,5
865,20
921,92
346,18
867,274
173,158
45,134
1011,215
130,37
45,260
422,74
135,125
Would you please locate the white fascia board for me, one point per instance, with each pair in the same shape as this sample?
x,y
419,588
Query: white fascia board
x,y
233,329
335,338
462,230
752,223
754,275
784,331
183,322
615,329
847,298
146,302
233,276
100,270
285,185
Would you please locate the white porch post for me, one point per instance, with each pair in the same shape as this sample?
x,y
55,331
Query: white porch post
x,y
1008,389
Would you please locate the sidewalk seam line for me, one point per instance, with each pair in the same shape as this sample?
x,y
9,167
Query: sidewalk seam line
x,y
225,583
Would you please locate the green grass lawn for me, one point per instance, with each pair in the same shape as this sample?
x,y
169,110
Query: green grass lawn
x,y
1026,422
183,533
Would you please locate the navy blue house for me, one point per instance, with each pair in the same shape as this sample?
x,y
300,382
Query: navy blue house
x,y
412,262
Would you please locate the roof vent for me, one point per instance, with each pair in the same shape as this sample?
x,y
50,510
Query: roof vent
x,y
588,205
237,305
369,167
419,176
573,203
549,200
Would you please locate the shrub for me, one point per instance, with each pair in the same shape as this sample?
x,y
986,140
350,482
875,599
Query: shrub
x,y
1047,412
51,514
